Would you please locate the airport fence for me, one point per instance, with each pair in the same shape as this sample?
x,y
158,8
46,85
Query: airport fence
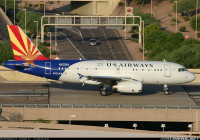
x,y
101,106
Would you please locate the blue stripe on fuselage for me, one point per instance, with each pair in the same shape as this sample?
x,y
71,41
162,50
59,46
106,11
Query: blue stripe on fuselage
x,y
51,69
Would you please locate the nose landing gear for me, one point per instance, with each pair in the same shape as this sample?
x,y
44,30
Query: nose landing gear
x,y
166,92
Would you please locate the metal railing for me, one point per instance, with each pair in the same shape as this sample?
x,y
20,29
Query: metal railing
x,y
101,106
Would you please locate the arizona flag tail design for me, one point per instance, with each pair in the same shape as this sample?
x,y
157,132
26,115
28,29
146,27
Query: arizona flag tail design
x,y
22,46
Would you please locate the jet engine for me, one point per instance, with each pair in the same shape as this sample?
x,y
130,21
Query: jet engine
x,y
129,86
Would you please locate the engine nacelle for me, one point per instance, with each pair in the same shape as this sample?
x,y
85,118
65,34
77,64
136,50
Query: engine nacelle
x,y
129,86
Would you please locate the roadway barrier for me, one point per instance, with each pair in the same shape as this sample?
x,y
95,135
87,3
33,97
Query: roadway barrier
x,y
110,106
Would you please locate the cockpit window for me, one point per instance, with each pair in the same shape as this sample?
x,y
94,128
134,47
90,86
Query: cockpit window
x,y
182,69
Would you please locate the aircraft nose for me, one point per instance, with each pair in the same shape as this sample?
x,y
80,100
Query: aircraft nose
x,y
191,77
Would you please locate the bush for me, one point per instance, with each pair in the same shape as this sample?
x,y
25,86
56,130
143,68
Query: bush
x,y
135,40
193,23
44,50
6,51
142,1
190,41
51,2
174,20
120,3
30,5
185,6
151,27
170,15
36,5
134,35
186,18
171,1
198,34
146,17
182,29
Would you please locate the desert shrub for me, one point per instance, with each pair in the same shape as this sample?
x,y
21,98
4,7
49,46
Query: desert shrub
x,y
182,29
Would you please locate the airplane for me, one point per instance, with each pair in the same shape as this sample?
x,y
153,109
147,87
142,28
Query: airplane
x,y
122,76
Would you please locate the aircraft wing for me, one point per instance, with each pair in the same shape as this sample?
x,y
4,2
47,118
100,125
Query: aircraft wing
x,y
107,79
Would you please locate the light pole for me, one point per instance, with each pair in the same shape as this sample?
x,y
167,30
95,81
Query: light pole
x,y
196,18
56,21
14,12
176,15
50,43
37,26
25,19
163,126
125,19
143,40
190,127
151,8
44,7
37,41
70,118
5,6
135,125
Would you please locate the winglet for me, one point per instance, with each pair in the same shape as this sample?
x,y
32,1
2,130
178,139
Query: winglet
x,y
22,46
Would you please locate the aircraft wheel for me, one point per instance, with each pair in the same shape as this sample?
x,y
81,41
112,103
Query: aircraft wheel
x,y
103,92
166,92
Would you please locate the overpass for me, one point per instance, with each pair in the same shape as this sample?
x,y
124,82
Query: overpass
x,y
93,7
89,7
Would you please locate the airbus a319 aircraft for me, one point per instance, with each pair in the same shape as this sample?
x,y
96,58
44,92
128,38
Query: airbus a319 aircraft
x,y
122,76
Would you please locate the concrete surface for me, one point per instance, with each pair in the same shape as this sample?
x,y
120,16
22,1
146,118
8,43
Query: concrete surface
x,y
81,134
105,114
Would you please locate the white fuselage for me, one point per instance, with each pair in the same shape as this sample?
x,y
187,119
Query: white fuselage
x,y
148,72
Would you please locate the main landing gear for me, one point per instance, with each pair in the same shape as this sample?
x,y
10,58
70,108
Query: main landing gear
x,y
166,92
104,90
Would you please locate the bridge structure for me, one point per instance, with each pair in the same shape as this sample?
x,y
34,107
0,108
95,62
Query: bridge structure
x,y
60,21
55,113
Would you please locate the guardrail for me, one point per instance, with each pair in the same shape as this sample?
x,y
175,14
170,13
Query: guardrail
x,y
100,106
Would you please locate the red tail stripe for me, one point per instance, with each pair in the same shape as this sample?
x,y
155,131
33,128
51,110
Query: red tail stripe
x,y
16,48
29,43
41,57
17,34
18,58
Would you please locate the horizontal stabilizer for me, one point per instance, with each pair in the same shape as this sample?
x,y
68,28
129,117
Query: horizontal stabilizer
x,y
19,66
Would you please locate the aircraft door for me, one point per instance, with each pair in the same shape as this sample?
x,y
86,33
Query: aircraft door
x,y
167,70
47,67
